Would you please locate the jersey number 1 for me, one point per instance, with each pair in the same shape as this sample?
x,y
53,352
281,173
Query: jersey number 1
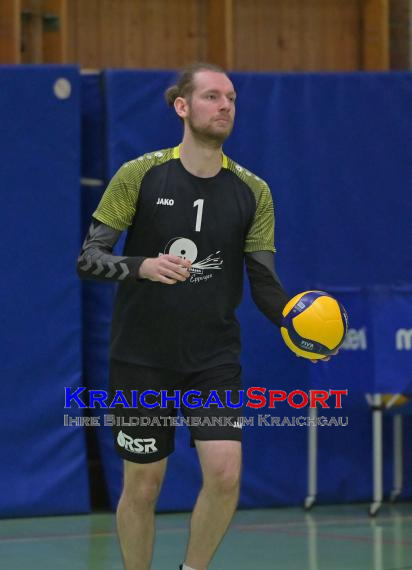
x,y
199,205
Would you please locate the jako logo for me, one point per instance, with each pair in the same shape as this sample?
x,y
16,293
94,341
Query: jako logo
x,y
165,201
138,445
355,340
404,339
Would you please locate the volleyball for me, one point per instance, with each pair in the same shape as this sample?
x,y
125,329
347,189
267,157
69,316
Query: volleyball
x,y
314,324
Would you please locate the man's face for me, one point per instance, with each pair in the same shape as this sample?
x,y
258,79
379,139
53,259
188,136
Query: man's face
x,y
211,108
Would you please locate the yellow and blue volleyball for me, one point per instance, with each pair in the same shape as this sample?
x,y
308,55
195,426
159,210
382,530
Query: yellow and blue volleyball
x,y
314,324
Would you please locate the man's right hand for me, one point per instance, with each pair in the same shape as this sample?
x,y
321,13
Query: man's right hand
x,y
168,269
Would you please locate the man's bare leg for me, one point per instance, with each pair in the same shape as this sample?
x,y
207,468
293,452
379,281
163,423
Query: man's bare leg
x,y
135,512
217,500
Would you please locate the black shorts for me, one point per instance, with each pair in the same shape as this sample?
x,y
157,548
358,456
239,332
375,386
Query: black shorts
x,y
145,435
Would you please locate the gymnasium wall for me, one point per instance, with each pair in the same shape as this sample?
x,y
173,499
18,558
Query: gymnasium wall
x,y
242,35
335,151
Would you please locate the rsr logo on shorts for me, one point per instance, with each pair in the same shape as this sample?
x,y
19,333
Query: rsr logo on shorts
x,y
138,445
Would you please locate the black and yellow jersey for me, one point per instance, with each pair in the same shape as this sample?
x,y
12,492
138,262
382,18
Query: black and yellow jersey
x,y
211,221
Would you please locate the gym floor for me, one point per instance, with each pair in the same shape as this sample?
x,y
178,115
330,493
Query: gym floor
x,y
327,538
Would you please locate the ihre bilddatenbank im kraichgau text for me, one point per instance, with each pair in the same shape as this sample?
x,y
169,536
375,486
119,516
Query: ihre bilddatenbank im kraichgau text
x,y
254,397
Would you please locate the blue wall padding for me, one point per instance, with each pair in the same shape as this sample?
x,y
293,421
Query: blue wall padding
x,y
44,469
142,117
93,128
335,150
97,297
391,310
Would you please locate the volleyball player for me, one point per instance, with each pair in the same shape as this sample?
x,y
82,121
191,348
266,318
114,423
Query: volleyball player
x,y
193,218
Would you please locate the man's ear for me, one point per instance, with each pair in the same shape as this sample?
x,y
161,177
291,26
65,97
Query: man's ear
x,y
181,107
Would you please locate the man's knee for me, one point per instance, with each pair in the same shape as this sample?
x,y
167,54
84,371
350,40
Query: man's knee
x,y
143,495
222,476
225,480
142,485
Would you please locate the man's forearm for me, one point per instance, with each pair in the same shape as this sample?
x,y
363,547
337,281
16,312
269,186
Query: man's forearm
x,y
266,289
96,260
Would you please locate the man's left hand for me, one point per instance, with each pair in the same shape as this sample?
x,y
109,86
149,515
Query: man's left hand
x,y
326,359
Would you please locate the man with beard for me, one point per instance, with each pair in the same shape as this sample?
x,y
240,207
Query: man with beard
x,y
193,218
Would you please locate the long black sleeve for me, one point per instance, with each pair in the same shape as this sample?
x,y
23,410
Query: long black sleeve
x,y
266,288
96,260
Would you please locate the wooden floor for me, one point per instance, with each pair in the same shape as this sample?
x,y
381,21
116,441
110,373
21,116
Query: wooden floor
x,y
328,538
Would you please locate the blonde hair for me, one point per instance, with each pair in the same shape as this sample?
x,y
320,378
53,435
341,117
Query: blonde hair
x,y
185,84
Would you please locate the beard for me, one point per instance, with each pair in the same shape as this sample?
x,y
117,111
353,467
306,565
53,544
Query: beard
x,y
210,134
